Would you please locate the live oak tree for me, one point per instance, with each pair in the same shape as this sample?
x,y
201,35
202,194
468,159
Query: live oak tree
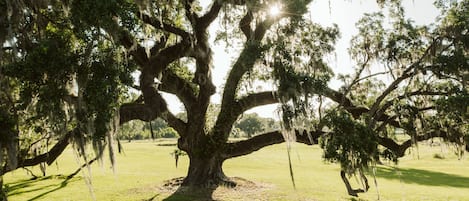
x,y
66,66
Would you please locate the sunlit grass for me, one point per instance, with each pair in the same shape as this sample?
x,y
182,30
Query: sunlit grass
x,y
145,166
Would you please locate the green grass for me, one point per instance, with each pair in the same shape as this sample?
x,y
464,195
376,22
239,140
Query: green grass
x,y
145,166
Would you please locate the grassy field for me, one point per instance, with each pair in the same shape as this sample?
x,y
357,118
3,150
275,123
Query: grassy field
x,y
143,168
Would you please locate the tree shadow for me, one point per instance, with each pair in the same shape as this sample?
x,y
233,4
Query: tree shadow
x,y
181,193
191,193
15,188
423,177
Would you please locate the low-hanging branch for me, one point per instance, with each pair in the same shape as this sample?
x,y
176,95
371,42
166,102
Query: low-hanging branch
x,y
133,111
399,149
257,142
48,157
356,111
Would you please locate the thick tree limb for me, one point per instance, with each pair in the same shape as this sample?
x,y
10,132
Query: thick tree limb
x,y
407,73
184,90
245,61
157,24
399,149
240,106
245,24
132,111
211,15
48,157
176,123
251,52
260,141
190,15
159,62
258,99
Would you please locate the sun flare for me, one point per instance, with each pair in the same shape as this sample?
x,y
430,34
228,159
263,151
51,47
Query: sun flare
x,y
274,10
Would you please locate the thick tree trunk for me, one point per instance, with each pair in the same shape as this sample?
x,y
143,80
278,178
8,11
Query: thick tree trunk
x,y
206,172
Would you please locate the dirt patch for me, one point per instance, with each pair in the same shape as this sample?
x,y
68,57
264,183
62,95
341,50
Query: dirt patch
x,y
244,190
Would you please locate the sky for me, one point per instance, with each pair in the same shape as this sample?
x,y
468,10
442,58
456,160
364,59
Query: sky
x,y
344,13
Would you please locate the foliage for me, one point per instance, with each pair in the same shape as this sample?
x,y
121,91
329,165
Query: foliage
x,y
352,144
58,81
299,68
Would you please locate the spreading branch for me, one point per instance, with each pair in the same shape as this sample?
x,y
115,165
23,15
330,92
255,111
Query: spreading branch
x,y
356,111
184,90
48,157
406,74
211,15
257,142
133,111
389,103
411,70
399,149
245,24
157,24
255,100
160,61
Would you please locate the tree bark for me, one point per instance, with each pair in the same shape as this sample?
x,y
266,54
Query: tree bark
x,y
206,172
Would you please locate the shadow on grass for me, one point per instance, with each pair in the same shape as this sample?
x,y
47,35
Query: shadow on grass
x,y
181,193
423,177
185,193
16,188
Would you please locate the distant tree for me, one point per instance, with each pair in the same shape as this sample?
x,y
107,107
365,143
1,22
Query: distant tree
x,y
168,132
132,131
250,124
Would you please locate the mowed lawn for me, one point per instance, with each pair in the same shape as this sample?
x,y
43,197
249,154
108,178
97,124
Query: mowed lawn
x,y
145,165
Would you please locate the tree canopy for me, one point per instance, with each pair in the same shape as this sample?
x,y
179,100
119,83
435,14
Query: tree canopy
x,y
66,69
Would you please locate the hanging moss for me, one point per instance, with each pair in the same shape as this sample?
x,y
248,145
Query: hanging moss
x,y
351,143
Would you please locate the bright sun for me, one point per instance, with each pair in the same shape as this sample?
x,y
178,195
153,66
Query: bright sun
x,y
274,10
